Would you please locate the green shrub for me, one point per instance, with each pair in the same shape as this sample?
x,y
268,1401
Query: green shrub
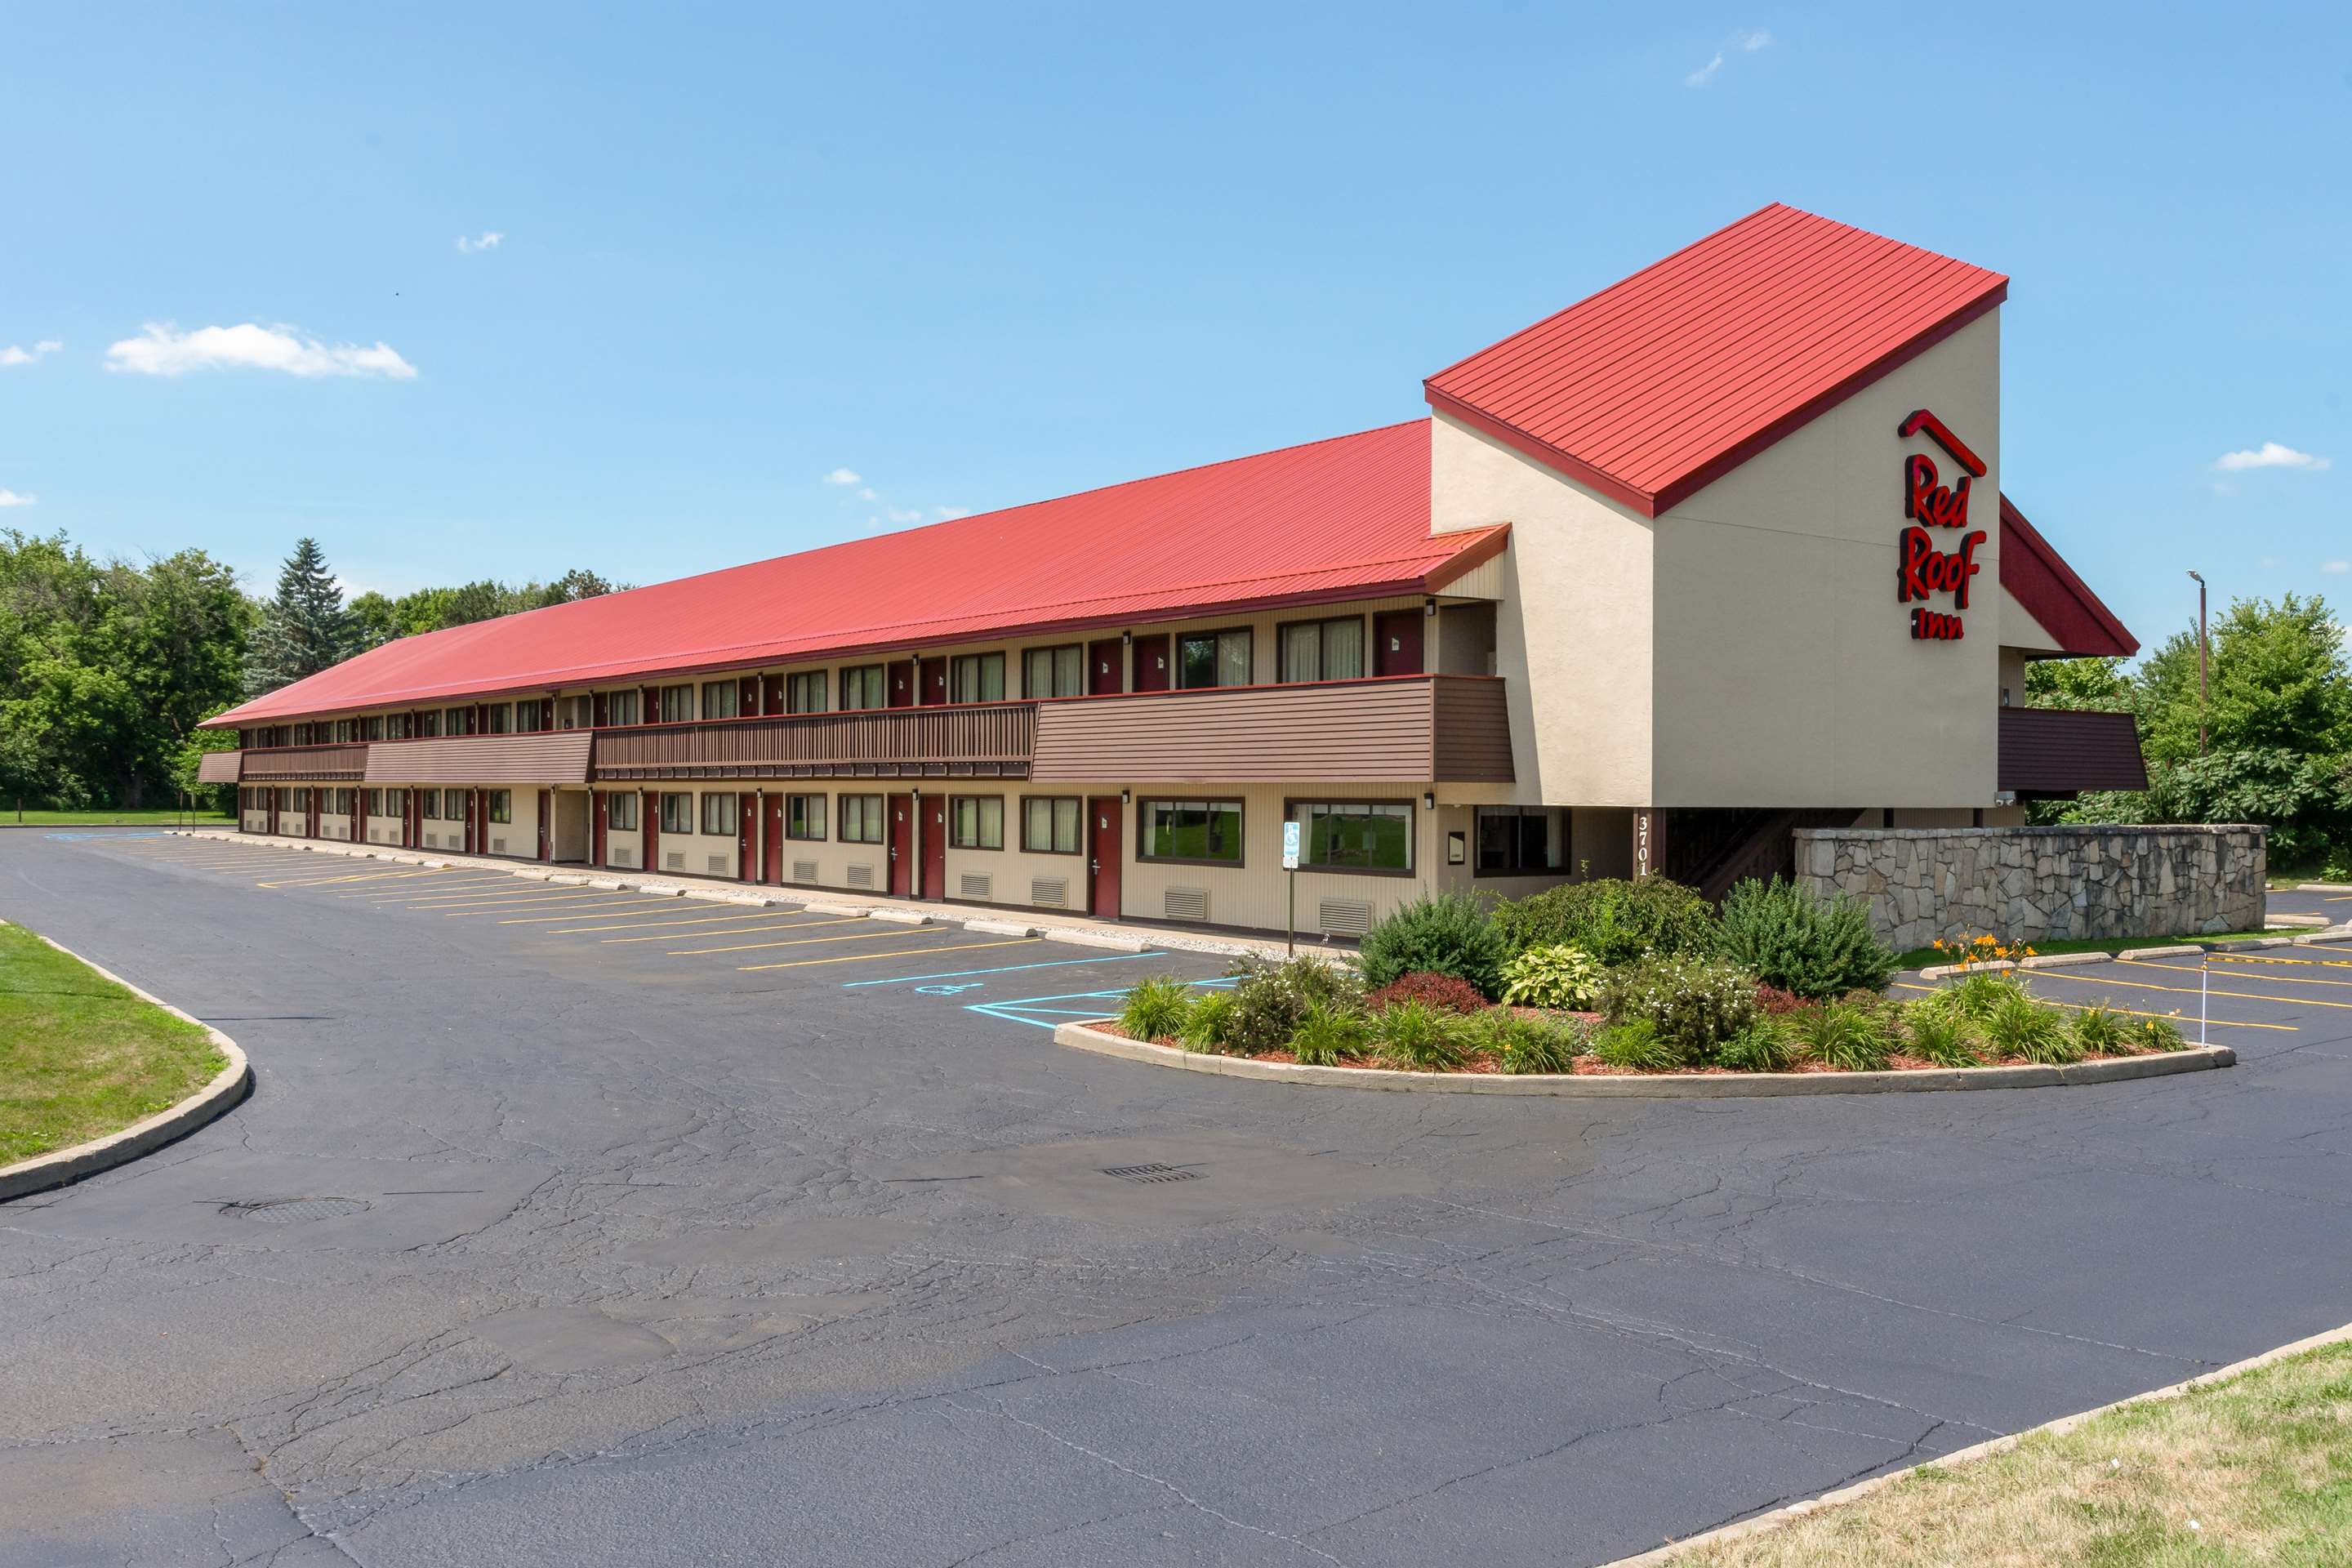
x,y
1939,1033
1790,937
1634,1046
2159,1034
1616,921
1695,1004
2101,1032
1524,1043
1979,994
1209,1025
1155,1009
2020,1029
1559,976
1418,1037
1843,1034
1444,933
1329,1032
1271,998
1763,1046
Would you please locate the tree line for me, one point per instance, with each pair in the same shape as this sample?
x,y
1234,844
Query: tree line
x,y
107,667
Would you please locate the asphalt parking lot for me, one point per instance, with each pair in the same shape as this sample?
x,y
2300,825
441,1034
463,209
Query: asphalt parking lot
x,y
647,1231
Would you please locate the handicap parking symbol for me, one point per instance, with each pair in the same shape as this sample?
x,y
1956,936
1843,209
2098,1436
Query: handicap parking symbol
x,y
950,990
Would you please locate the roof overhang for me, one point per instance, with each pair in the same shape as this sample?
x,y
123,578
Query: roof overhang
x,y
2051,591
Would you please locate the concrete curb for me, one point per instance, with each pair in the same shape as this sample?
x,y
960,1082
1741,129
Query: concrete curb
x,y
2325,938
1942,971
2323,887
2185,950
229,1086
2300,923
2062,959
1659,1555
1727,1085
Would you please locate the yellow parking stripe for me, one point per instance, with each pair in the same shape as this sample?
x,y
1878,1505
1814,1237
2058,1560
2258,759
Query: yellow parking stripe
x,y
2267,977
582,905
449,881
2188,989
726,931
340,877
901,952
627,919
2274,958
802,942
2127,1011
423,900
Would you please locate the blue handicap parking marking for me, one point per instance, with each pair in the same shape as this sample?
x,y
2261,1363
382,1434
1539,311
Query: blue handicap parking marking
x,y
951,990
998,969
1045,1012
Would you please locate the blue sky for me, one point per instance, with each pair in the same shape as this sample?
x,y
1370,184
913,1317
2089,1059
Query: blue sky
x,y
977,256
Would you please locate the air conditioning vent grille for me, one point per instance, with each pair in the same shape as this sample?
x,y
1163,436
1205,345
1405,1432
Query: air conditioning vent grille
x,y
497,845
1344,917
1050,892
804,871
1186,904
717,865
975,889
861,876
675,860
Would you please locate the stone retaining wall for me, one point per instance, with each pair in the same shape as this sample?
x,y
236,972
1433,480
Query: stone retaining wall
x,y
2041,884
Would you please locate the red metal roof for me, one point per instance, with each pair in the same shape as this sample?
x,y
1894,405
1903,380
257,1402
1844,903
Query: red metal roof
x,y
1660,384
1347,518
2041,581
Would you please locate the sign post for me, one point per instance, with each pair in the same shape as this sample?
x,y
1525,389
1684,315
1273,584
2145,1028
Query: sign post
x,y
1290,835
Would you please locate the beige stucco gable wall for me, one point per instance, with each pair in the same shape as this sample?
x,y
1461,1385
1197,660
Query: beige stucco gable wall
x,y
1572,632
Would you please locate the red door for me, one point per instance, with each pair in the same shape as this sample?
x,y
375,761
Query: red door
x,y
1105,667
1151,663
649,804
772,837
311,823
746,829
467,838
1103,852
935,848
600,826
747,696
772,697
359,817
902,684
1396,642
547,824
902,845
934,682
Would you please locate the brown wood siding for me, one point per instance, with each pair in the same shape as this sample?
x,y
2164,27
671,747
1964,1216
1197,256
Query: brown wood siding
x,y
2062,751
344,763
219,767
980,740
541,757
1379,732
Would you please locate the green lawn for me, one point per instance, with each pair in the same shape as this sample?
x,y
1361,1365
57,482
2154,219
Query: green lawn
x,y
79,1056
1920,957
2256,1469
165,819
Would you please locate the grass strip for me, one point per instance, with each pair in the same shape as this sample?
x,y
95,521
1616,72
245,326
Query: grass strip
x,y
2252,1470
165,817
80,1056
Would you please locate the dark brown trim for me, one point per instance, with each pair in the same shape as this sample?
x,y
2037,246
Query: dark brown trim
x,y
1241,837
1411,837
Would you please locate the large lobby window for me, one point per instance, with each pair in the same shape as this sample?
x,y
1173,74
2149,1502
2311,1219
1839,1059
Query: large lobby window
x,y
1522,840
1208,831
1355,836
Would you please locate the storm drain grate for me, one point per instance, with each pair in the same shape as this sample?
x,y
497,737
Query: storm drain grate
x,y
287,1211
1141,1174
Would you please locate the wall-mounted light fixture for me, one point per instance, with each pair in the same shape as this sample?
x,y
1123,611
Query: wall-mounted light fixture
x,y
1429,606
1122,797
1429,800
1125,638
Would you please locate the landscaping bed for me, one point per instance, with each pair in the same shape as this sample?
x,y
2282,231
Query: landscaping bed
x,y
1630,979
81,1057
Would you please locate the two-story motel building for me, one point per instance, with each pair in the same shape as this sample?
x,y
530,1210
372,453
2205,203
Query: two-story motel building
x,y
1718,551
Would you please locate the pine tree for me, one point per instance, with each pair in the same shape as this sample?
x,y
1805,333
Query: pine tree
x,y
303,630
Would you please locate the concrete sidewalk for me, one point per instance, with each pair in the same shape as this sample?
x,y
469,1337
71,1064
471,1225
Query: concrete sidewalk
x,y
1123,936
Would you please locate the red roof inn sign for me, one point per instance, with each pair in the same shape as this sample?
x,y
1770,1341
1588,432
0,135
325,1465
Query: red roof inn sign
x,y
1925,569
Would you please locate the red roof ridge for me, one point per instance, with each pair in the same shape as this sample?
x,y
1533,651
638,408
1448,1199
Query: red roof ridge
x,y
2038,577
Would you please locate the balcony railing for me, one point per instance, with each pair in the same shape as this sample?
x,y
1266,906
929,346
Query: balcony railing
x,y
991,740
2064,750
342,763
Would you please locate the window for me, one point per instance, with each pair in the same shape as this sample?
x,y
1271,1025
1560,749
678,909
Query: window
x,y
1354,835
301,798
1323,650
677,814
1053,672
976,677
804,816
1209,830
976,822
428,804
375,803
721,699
1213,659
453,721
1525,840
621,811
861,819
429,724
804,693
621,707
501,718
718,815
502,805
1049,825
677,704
861,687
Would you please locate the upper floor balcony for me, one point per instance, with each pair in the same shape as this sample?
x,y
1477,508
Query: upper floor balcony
x,y
2065,751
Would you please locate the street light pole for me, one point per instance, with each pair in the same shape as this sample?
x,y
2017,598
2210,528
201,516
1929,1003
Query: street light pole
x,y
2201,661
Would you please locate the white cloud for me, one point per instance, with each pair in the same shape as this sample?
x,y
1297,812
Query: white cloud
x,y
842,477
164,350
898,516
10,497
868,494
487,241
949,513
1741,43
2270,455
12,354
2338,566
